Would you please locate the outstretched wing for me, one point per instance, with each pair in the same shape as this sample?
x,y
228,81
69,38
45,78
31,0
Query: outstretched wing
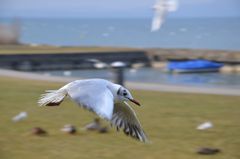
x,y
158,19
125,118
93,95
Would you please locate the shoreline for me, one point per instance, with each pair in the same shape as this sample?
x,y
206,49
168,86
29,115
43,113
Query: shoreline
x,y
154,54
131,85
165,54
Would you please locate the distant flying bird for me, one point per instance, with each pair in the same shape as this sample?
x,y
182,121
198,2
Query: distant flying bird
x,y
161,8
106,99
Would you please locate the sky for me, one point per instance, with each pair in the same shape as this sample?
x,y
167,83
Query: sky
x,y
115,8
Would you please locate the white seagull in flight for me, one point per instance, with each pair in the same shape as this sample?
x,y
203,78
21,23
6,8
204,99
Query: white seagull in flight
x,y
161,8
106,99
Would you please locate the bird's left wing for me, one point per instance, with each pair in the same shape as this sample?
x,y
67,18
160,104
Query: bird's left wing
x,y
94,96
124,117
158,19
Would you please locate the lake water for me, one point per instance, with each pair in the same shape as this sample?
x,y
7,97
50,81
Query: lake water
x,y
151,75
212,33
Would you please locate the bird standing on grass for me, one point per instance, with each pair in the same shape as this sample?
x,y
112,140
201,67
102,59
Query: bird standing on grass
x,y
95,125
106,99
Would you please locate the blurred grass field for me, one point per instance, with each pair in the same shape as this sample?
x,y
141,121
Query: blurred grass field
x,y
169,119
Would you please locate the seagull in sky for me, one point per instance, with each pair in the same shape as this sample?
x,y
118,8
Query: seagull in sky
x,y
106,99
161,8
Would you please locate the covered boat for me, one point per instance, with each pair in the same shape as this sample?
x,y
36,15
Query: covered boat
x,y
193,66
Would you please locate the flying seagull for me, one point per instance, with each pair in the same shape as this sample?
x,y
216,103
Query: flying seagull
x,y
106,99
161,8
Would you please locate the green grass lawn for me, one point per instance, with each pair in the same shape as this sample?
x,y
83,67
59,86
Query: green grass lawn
x,y
169,119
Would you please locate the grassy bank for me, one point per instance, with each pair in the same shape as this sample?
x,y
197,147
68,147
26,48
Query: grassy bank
x,y
45,49
169,120
153,53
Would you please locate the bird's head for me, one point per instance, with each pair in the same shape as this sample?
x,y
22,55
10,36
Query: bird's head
x,y
125,95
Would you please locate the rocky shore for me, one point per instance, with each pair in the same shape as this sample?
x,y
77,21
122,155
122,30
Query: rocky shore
x,y
231,59
161,54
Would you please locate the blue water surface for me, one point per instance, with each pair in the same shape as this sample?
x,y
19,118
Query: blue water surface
x,y
208,33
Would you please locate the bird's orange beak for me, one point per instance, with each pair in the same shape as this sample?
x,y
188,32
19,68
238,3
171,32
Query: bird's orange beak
x,y
135,102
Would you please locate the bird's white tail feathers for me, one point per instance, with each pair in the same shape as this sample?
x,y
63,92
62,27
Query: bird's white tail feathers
x,y
52,97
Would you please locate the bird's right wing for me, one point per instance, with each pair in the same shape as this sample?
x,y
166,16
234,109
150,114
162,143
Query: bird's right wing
x,y
124,117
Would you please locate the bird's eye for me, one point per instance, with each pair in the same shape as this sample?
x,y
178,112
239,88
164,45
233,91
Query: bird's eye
x,y
124,93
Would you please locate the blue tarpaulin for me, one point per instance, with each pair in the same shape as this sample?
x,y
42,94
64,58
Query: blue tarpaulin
x,y
193,65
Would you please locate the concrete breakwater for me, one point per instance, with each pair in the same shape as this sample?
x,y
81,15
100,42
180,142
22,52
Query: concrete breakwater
x,y
65,61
